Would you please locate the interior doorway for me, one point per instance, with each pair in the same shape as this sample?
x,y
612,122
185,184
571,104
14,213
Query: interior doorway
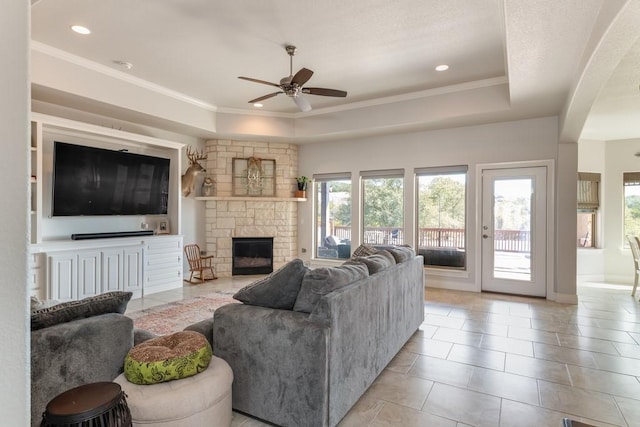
x,y
514,230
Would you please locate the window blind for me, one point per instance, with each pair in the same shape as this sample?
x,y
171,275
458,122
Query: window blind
x,y
588,190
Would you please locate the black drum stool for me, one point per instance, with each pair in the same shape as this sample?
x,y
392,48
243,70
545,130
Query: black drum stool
x,y
91,405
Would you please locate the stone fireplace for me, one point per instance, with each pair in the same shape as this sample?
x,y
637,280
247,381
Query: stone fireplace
x,y
251,255
228,217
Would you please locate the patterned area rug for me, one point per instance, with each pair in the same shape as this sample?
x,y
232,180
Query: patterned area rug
x,y
175,316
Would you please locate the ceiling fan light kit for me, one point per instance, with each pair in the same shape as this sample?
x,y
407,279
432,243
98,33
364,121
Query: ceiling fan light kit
x,y
293,85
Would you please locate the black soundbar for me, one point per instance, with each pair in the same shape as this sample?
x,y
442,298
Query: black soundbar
x,y
85,236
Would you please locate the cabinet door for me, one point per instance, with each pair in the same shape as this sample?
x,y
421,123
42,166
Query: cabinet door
x,y
132,270
112,269
63,276
89,277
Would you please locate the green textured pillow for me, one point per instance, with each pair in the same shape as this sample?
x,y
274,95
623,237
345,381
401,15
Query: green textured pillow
x,y
166,358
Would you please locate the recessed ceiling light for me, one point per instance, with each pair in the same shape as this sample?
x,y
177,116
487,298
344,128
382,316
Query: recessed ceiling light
x,y
80,29
258,105
442,67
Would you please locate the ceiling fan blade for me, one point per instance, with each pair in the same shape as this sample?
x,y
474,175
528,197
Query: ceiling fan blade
x,y
259,81
302,77
302,103
262,98
324,92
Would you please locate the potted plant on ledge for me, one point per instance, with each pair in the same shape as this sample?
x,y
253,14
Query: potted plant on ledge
x,y
302,182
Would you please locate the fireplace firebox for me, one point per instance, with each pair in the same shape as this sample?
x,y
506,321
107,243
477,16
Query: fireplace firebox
x,y
251,255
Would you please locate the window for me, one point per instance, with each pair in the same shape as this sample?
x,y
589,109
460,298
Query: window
x,y
631,182
588,204
383,207
333,215
441,216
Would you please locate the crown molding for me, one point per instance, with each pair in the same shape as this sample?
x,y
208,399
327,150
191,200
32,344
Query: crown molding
x,y
118,75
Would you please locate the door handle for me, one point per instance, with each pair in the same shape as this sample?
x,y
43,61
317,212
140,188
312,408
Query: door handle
x,y
485,236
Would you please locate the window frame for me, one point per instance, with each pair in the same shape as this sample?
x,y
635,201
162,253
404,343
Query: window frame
x,y
629,179
440,171
387,240
588,202
318,179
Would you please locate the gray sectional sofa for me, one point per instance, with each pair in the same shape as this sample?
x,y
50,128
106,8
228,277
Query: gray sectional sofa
x,y
76,343
308,361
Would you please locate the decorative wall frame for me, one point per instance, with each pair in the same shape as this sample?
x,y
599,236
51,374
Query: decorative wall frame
x,y
254,177
163,227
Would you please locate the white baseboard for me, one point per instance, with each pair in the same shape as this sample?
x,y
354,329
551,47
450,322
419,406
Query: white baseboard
x,y
565,298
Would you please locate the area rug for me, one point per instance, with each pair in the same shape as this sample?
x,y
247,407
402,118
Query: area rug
x,y
175,316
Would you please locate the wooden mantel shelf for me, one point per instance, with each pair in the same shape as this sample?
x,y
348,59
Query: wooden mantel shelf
x,y
252,199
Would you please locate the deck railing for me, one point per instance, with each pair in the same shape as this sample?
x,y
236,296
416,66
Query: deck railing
x,y
505,240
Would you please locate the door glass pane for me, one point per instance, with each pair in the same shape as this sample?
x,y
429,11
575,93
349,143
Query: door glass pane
x,y
512,229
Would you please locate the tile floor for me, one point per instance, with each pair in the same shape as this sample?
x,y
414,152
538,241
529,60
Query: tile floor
x,y
497,360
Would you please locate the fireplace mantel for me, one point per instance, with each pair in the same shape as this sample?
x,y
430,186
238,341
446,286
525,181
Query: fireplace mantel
x,y
252,199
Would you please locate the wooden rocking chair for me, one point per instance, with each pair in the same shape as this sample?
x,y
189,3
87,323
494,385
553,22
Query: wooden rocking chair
x,y
199,264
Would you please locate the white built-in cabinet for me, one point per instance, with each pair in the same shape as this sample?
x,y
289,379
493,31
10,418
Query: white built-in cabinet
x,y
128,264
66,269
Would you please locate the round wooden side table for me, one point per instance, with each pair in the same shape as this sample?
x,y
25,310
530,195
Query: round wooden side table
x,y
89,405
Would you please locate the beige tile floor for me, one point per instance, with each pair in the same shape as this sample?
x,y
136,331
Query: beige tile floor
x,y
497,360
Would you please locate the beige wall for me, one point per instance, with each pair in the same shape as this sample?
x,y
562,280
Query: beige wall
x,y
14,131
590,262
620,157
518,141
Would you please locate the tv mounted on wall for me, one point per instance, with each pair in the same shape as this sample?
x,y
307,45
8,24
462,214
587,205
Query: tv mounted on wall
x,y
97,181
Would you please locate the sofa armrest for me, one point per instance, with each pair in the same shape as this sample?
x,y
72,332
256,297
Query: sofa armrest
x,y
74,353
279,360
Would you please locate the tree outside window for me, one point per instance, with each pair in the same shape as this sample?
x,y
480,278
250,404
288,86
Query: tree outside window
x,y
631,204
383,207
441,216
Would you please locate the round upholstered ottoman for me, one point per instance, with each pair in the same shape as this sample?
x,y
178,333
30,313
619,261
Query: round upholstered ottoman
x,y
200,400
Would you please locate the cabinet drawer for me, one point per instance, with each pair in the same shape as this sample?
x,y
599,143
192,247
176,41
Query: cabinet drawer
x,y
164,245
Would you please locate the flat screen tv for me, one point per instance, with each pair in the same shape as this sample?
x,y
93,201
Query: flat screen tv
x,y
97,181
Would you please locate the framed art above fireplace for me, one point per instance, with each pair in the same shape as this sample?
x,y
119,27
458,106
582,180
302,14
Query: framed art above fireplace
x,y
254,177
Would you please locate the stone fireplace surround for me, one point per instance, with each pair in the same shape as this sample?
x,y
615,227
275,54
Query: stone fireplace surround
x,y
227,216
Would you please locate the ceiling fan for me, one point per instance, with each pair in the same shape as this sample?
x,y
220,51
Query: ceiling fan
x,y
293,85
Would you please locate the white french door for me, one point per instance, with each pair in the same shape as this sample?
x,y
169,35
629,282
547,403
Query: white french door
x,y
514,230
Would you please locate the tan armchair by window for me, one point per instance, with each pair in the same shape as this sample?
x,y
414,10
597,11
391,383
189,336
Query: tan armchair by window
x,y
199,266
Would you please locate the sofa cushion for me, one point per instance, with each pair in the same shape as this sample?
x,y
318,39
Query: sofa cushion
x,y
170,357
110,302
376,262
277,290
402,253
321,281
364,250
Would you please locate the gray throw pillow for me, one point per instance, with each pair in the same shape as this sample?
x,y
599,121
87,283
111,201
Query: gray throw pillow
x,y
277,290
110,302
364,250
402,253
321,281
378,261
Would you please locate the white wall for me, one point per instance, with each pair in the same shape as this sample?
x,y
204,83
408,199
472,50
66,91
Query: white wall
x,y
525,140
14,110
620,157
590,261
